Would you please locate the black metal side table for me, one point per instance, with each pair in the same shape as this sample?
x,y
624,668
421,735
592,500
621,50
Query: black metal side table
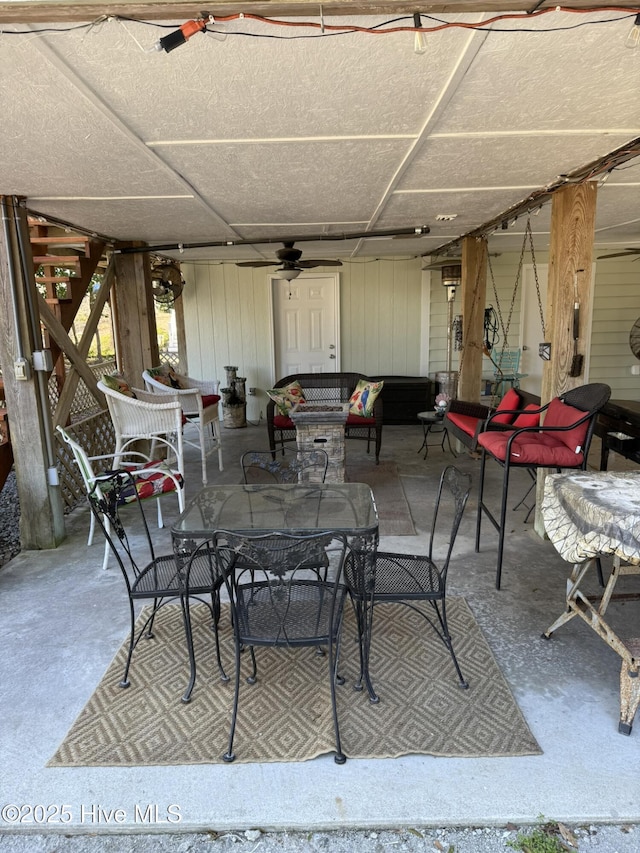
x,y
433,422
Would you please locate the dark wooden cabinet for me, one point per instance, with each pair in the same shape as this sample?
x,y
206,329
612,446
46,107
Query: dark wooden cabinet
x,y
404,396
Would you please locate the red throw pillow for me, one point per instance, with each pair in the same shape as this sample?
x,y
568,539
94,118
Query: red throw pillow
x,y
510,401
561,414
525,420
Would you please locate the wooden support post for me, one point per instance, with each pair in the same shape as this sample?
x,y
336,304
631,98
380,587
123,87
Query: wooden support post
x,y
181,332
474,289
573,216
41,509
135,316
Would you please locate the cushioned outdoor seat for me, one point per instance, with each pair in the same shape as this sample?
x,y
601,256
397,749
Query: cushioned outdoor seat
x,y
466,421
561,442
320,388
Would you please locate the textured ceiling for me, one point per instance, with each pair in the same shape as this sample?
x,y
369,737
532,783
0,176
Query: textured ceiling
x,y
264,134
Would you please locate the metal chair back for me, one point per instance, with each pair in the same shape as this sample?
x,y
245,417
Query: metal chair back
x,y
289,466
281,595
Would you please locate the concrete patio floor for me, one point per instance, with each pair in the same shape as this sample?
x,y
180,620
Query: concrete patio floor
x,y
62,619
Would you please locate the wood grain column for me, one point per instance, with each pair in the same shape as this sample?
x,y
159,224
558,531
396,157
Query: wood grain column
x,y
135,316
41,513
573,216
474,289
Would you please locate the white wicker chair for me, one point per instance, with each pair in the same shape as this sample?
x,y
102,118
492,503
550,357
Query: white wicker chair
x,y
146,417
144,471
190,395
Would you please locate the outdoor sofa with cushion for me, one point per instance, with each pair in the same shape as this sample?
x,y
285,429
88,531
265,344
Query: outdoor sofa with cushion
x,y
326,388
465,420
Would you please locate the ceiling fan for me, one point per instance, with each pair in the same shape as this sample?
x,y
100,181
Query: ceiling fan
x,y
289,262
166,282
627,253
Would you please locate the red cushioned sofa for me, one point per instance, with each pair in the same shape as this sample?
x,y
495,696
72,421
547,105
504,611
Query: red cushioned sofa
x,y
326,388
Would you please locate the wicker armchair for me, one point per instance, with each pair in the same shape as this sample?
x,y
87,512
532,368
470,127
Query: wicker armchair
x,y
146,417
199,399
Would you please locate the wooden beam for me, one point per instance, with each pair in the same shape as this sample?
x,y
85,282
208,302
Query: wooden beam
x,y
40,11
573,214
474,289
573,217
58,333
71,383
135,316
41,512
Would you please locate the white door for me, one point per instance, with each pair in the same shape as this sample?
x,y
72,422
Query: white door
x,y
306,324
531,327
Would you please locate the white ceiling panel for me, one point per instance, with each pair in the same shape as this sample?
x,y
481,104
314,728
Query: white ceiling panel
x,y
580,78
292,181
269,135
490,161
269,86
470,206
54,143
151,220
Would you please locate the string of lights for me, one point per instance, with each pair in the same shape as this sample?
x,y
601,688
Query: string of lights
x,y
323,30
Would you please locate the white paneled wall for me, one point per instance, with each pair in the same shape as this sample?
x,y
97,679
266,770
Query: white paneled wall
x,y
615,309
228,320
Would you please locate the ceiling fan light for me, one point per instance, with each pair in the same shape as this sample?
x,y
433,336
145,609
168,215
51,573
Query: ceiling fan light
x,y
288,275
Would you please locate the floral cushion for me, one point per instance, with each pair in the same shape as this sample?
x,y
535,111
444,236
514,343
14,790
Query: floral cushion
x,y
150,483
166,375
174,379
362,400
286,398
118,383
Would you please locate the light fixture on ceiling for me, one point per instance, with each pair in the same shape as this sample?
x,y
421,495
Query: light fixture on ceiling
x,y
288,274
419,39
180,36
633,37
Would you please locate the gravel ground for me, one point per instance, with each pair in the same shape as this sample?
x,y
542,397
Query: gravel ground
x,y
585,839
9,520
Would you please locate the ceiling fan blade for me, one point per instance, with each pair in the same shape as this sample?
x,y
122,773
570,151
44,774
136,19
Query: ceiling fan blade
x,y
257,263
318,263
626,254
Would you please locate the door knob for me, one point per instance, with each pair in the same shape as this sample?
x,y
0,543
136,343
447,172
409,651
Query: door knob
x,y
524,347
332,346
332,355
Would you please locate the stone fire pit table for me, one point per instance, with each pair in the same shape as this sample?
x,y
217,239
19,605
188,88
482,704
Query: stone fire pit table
x,y
320,426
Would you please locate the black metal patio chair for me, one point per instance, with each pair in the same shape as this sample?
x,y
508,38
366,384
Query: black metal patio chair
x,y
291,466
280,599
159,579
374,576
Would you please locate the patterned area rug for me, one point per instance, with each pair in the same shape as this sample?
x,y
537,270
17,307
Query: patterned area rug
x,y
286,715
393,509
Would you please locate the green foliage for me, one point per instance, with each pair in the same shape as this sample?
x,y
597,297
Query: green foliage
x,y
543,839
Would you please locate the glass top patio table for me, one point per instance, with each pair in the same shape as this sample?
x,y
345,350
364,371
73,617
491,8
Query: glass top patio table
x,y
347,508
